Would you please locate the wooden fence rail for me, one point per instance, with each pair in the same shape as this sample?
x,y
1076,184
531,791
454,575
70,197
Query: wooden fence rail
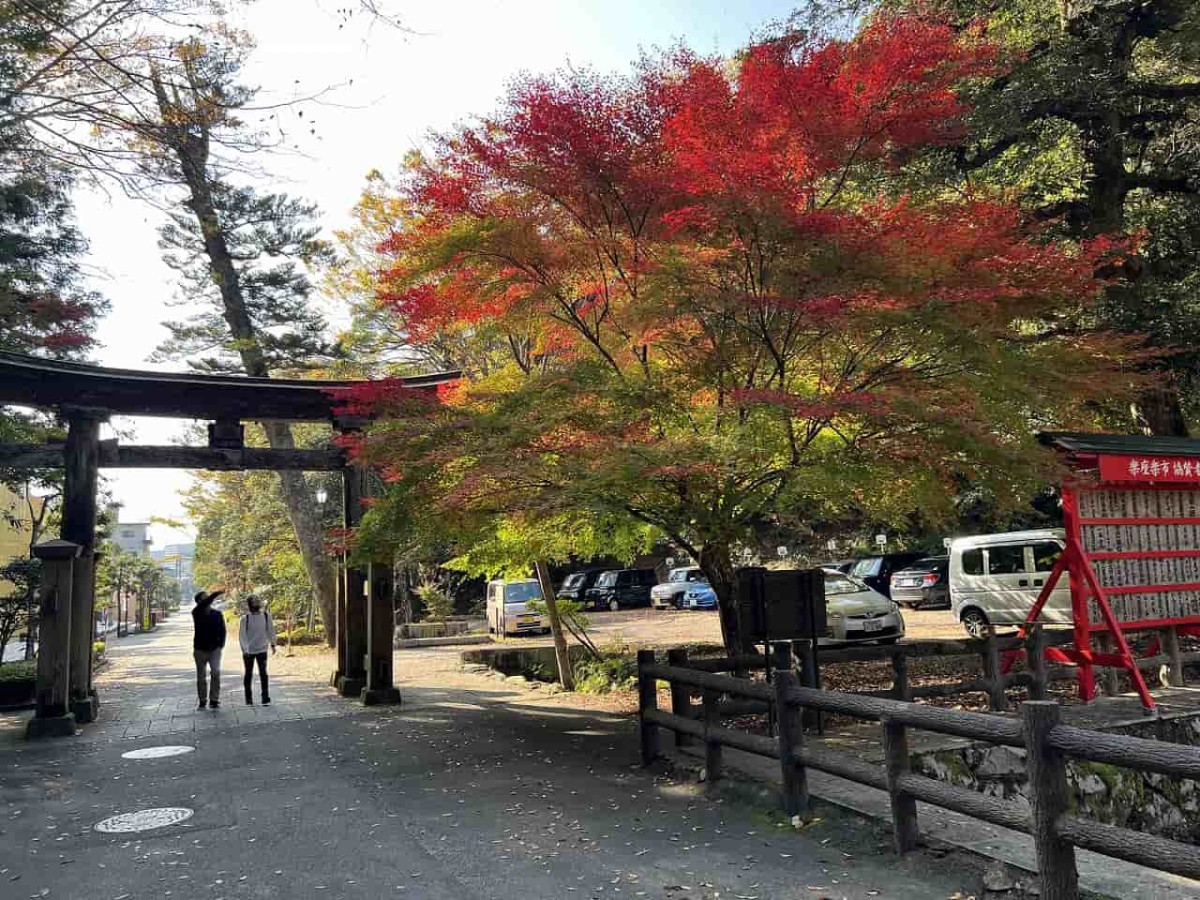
x,y
1047,742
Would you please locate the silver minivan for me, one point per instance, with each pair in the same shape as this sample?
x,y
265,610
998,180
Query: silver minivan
x,y
996,578
506,611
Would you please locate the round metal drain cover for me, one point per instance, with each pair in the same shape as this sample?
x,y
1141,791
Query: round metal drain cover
x,y
157,752
145,819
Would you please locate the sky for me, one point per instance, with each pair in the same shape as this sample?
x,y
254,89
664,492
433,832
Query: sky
x,y
452,65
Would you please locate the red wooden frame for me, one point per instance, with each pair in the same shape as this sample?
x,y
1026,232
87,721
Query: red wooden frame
x,y
1085,584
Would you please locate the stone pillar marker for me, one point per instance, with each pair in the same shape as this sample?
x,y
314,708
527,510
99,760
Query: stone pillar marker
x,y
53,716
81,460
380,688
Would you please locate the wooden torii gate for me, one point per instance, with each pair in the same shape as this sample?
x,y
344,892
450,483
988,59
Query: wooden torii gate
x,y
85,396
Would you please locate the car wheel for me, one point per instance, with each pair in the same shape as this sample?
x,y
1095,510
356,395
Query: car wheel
x,y
613,605
975,623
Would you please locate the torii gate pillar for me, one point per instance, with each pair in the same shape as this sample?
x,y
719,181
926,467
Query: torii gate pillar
x,y
52,715
81,460
351,677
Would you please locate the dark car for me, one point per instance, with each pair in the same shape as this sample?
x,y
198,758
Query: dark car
x,y
877,571
575,585
925,583
619,588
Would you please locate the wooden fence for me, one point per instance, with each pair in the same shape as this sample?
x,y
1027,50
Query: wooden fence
x,y
1047,742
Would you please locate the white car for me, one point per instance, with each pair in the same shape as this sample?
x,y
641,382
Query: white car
x,y
856,614
669,594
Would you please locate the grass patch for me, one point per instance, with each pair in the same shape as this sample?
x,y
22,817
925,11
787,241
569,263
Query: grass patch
x,y
18,671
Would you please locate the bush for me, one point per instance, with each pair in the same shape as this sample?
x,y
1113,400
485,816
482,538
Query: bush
x,y
98,648
301,636
437,601
611,672
18,671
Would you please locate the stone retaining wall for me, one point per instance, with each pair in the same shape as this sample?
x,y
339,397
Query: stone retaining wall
x,y
1117,796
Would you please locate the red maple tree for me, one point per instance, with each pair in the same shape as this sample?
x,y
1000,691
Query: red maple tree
x,y
712,294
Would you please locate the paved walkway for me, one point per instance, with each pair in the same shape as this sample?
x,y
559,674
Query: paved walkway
x,y
458,794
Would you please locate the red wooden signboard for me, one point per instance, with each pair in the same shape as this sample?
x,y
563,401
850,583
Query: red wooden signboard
x,y
1132,550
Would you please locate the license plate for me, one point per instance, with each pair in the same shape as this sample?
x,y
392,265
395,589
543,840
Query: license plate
x,y
873,625
907,582
526,620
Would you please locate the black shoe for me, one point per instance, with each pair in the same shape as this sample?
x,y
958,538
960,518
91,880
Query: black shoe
x,y
266,701
249,701
216,704
203,704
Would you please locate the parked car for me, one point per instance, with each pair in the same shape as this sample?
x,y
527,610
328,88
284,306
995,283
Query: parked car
x,y
699,595
575,585
877,571
996,578
855,613
620,588
669,594
506,610
925,583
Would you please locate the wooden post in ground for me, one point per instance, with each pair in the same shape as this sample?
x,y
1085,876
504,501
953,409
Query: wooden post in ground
x,y
791,744
380,688
1110,678
1049,798
997,698
81,461
904,807
353,646
681,694
1170,644
712,747
647,700
900,686
1035,654
52,715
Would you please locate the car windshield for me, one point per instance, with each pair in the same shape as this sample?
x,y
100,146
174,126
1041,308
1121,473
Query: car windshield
x,y
520,591
573,580
678,575
696,575
607,579
865,568
837,583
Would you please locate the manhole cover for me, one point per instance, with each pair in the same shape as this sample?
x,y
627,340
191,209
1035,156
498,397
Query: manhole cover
x,y
145,819
157,752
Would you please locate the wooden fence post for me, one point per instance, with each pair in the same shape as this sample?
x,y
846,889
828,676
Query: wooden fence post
x,y
904,807
900,687
647,700
1035,655
791,741
808,677
1111,685
1048,797
1170,643
997,698
712,747
681,694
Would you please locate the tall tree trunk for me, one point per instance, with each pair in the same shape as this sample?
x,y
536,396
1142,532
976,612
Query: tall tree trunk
x,y
565,676
717,566
1161,413
191,147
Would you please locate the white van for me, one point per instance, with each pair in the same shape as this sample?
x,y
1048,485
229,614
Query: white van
x,y
506,613
996,578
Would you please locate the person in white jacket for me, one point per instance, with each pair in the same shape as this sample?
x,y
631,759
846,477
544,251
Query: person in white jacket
x,y
256,634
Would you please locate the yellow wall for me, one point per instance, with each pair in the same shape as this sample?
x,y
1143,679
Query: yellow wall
x,y
14,540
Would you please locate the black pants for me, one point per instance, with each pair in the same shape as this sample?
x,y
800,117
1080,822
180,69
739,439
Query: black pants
x,y
249,659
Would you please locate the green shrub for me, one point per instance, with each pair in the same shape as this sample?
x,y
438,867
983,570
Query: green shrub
x,y
437,601
301,636
18,671
611,672
98,648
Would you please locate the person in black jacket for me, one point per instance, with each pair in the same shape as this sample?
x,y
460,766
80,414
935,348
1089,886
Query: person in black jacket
x,y
207,645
